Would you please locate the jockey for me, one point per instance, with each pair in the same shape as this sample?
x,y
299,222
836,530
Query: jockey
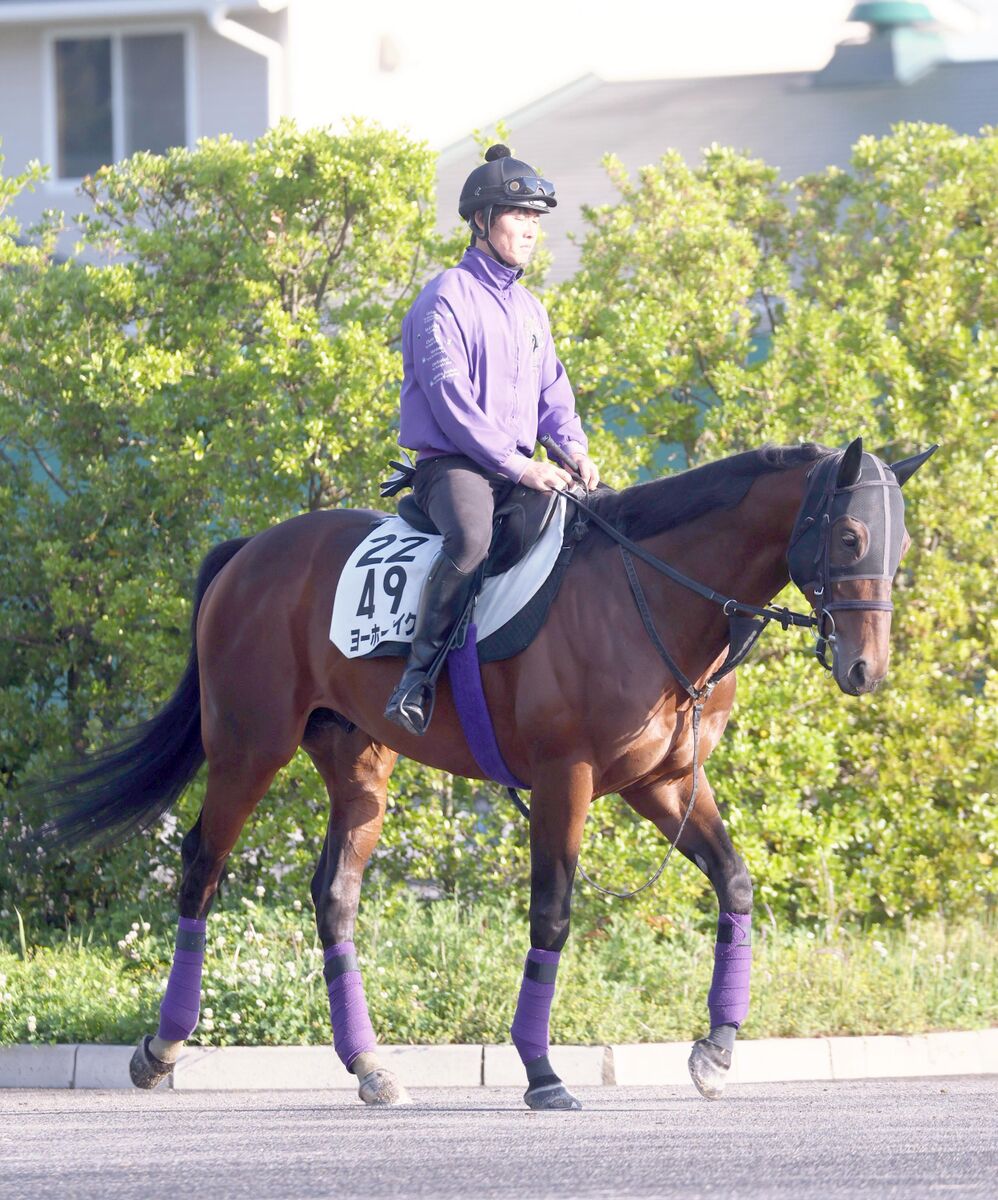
x,y
481,382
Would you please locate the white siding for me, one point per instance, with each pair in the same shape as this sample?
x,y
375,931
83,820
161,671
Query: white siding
x,y
228,95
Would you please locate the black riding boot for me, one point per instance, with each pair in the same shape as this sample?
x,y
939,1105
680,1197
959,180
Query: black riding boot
x,y
441,604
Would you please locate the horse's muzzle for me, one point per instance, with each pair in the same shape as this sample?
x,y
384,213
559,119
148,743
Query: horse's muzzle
x,y
859,680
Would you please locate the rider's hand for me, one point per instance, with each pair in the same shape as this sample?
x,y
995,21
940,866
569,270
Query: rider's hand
x,y
588,470
545,477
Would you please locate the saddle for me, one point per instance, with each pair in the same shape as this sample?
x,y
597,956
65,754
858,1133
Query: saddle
x,y
517,523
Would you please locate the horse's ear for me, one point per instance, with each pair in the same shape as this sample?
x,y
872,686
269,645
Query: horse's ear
x,y
851,465
907,467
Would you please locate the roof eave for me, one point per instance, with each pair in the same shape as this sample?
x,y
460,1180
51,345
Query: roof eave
x,y
43,12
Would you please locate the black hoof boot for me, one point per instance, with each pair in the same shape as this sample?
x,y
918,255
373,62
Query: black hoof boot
x,y
551,1097
709,1065
545,1091
146,1070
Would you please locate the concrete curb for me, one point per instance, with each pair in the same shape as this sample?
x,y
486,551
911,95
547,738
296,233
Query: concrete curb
x,y
315,1068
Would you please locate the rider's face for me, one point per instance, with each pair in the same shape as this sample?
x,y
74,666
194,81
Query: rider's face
x,y
514,235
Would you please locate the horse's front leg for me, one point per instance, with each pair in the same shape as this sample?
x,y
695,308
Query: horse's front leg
x,y
705,842
560,799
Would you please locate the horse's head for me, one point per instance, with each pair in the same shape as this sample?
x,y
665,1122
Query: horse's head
x,y
845,547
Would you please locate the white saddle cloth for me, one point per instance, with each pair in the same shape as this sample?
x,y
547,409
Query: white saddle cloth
x,y
378,593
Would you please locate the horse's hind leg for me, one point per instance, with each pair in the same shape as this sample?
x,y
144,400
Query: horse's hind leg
x,y
355,771
235,787
705,842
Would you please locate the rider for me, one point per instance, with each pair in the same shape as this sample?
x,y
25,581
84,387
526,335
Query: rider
x,y
481,382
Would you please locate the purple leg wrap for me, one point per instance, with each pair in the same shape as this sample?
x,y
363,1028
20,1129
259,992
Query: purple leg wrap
x,y
533,1009
352,1030
178,1014
728,999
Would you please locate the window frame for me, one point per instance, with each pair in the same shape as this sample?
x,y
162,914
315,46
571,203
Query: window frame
x,y
116,35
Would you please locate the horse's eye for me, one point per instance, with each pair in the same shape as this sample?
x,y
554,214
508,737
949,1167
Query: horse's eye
x,y
850,539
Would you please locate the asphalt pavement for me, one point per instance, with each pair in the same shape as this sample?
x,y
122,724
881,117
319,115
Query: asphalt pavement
x,y
873,1138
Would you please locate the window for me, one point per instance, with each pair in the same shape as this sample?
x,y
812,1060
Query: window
x,y
116,95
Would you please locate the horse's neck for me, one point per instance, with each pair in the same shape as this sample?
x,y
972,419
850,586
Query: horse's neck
x,y
740,552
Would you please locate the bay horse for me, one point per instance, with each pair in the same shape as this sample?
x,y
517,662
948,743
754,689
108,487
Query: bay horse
x,y
585,710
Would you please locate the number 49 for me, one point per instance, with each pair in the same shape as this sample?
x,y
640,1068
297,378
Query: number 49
x,y
394,585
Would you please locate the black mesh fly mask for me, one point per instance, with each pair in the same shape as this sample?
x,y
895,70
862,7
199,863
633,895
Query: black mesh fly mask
x,y
850,526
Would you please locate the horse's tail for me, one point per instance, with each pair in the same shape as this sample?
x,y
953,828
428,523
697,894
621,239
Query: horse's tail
x,y
130,784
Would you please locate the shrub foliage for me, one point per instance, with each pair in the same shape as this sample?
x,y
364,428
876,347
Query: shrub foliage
x,y
221,353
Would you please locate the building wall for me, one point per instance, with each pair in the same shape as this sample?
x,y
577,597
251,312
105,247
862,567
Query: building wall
x,y
21,119
228,95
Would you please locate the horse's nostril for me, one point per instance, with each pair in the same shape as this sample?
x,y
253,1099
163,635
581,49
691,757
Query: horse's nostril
x,y
857,674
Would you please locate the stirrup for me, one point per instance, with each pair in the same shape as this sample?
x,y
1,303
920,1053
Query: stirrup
x,y
405,708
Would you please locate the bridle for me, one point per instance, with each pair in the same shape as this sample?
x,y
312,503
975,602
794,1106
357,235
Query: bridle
x,y
809,564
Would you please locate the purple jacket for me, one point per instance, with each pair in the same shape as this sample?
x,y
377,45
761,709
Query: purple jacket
x,y
481,374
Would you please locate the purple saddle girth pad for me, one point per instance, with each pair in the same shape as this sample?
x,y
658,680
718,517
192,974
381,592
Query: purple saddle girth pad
x,y
465,673
181,1006
728,999
352,1029
529,1030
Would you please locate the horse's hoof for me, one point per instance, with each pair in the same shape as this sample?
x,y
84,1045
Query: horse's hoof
x,y
552,1097
709,1065
382,1087
146,1070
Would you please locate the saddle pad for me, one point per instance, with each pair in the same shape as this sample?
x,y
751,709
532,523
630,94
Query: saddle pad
x,y
374,610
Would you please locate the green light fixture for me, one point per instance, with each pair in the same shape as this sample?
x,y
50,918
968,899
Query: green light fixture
x,y
891,14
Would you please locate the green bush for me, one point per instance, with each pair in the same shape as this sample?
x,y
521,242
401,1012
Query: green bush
x,y
234,361
449,972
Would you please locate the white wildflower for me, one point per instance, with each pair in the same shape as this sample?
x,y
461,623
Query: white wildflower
x,y
260,891
32,1023
296,905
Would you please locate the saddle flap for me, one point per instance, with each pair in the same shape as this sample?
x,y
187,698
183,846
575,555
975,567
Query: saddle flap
x,y
518,523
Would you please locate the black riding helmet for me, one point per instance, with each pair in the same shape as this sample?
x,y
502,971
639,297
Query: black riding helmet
x,y
502,182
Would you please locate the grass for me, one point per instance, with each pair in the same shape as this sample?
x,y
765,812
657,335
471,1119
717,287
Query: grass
x,y
446,972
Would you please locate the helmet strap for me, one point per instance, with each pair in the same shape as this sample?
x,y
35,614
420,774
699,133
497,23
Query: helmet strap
x,y
486,236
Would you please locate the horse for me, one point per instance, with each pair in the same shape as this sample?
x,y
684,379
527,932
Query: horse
x,y
582,712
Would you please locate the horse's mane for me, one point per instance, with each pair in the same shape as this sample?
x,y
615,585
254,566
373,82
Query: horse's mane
x,y
649,508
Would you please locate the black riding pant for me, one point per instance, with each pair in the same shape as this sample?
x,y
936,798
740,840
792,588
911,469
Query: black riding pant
x,y
460,497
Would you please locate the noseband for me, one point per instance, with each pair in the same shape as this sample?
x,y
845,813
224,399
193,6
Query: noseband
x,y
874,501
